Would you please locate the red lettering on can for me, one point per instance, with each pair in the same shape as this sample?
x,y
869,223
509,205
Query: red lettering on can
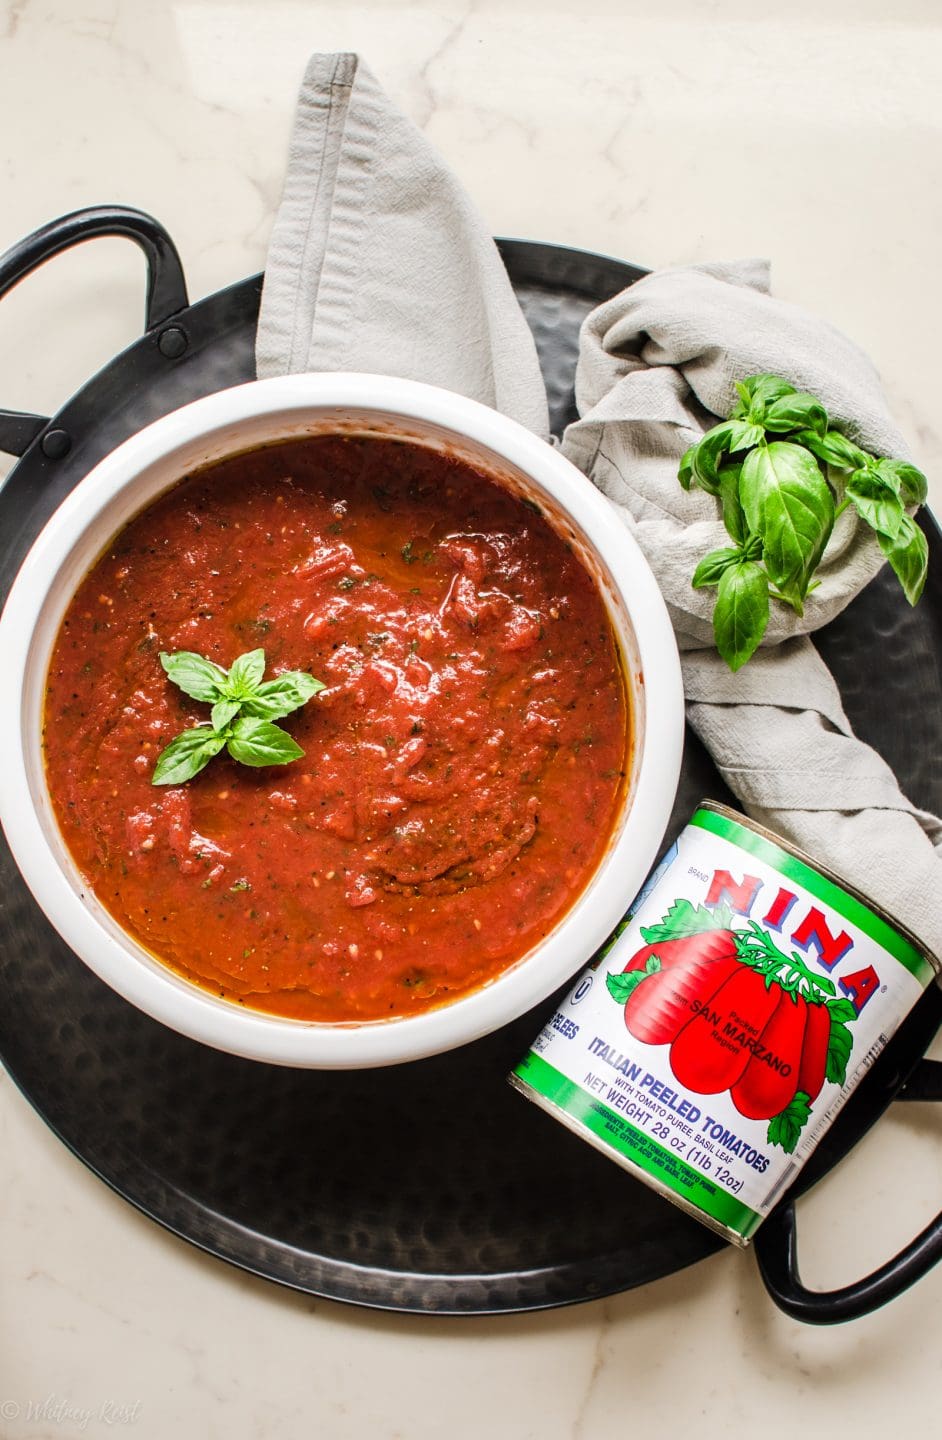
x,y
740,895
860,986
813,930
779,908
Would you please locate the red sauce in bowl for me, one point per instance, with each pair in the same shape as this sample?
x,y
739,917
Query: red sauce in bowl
x,y
463,769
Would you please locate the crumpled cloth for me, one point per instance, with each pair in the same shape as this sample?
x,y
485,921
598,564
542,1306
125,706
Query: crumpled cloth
x,y
657,366
378,261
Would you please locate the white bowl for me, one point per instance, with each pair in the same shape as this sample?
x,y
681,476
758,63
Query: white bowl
x,y
239,419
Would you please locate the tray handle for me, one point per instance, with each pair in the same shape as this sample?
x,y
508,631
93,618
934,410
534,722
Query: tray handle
x,y
777,1249
166,286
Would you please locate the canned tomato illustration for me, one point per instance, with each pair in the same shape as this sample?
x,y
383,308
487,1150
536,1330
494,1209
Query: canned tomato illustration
x,y
715,1037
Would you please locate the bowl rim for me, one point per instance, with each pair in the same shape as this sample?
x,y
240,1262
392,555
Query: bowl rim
x,y
179,1003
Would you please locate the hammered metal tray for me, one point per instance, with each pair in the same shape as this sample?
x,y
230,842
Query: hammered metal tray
x,y
427,1187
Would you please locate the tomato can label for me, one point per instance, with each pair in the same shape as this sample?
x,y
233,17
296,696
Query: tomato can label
x,y
715,1037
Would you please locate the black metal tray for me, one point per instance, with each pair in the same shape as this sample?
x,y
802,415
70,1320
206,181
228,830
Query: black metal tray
x,y
428,1187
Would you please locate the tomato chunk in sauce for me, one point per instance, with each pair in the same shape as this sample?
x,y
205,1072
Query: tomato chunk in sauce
x,y
463,768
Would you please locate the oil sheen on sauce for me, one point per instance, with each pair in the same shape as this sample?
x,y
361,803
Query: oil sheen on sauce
x,y
463,768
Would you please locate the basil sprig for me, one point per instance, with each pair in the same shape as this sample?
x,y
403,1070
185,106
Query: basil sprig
x,y
782,476
244,707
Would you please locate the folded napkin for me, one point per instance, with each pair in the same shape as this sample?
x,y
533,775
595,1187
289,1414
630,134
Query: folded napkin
x,y
378,261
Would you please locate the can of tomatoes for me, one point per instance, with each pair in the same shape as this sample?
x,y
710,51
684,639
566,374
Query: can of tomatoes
x,y
717,1034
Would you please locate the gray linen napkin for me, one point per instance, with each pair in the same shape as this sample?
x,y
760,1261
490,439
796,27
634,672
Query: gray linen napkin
x,y
657,366
378,261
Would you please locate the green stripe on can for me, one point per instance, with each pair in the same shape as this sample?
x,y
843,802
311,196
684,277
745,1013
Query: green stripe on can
x,y
643,1152
846,904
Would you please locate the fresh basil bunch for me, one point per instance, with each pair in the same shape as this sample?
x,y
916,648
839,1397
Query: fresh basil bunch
x,y
244,707
782,475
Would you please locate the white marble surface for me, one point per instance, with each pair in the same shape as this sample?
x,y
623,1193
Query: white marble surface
x,y
810,133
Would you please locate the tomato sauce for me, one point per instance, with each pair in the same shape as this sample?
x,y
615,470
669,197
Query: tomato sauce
x,y
462,769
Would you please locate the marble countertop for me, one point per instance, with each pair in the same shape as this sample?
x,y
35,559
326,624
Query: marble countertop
x,y
697,130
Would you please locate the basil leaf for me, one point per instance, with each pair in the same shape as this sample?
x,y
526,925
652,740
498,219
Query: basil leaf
x,y
909,483
282,695
798,411
702,462
875,502
185,756
742,612
789,504
915,484
708,456
762,391
832,449
733,517
881,472
685,469
195,676
778,505
741,409
242,710
743,435
222,712
258,742
245,674
712,566
908,555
